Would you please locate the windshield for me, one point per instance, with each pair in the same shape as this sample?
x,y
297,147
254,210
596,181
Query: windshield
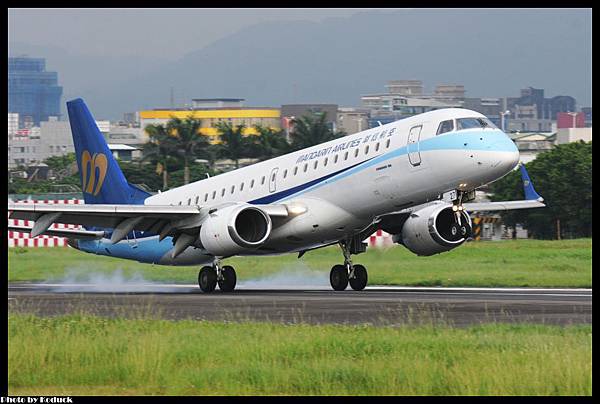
x,y
470,123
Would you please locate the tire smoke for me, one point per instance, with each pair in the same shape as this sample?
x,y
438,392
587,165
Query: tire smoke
x,y
298,276
82,280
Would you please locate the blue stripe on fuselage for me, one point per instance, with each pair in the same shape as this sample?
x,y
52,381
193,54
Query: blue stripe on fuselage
x,y
468,140
279,195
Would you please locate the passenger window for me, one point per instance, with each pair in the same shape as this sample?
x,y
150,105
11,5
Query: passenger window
x,y
189,201
325,162
446,126
262,182
214,194
316,164
232,188
252,184
295,170
223,192
241,187
346,156
197,199
387,144
273,177
367,149
305,167
180,202
205,197
335,159
377,147
284,173
356,153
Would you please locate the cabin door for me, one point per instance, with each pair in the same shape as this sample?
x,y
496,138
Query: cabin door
x,y
412,146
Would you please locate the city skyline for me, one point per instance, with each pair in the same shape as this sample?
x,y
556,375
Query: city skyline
x,y
144,79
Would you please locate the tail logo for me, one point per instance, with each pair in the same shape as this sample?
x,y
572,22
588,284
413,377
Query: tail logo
x,y
90,166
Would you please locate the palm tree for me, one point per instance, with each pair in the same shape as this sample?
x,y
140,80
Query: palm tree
x,y
269,143
158,149
189,141
233,145
311,131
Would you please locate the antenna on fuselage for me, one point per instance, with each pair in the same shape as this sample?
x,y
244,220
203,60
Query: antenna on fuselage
x,y
207,175
379,122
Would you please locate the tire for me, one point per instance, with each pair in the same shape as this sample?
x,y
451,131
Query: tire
x,y
455,231
360,278
227,284
465,231
207,279
338,277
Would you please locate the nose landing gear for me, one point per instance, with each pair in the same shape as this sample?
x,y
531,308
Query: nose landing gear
x,y
460,228
211,276
349,273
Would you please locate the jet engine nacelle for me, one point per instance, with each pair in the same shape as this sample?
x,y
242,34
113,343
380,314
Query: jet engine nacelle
x,y
234,229
432,230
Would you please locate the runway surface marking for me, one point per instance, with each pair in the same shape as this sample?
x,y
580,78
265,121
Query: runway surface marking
x,y
575,291
376,305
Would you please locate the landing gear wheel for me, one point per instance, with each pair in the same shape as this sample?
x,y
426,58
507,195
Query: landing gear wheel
x,y
227,284
455,230
207,279
338,277
359,281
465,231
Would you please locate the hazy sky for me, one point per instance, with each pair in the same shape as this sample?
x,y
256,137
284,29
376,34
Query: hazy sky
x,y
123,60
173,32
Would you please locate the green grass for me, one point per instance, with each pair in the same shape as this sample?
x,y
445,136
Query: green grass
x,y
566,263
79,355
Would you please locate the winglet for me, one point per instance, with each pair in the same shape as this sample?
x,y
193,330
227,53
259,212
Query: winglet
x,y
530,193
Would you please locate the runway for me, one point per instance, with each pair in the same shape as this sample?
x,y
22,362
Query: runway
x,y
377,305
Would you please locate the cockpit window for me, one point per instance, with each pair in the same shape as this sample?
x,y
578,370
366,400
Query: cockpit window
x,y
470,123
446,126
490,124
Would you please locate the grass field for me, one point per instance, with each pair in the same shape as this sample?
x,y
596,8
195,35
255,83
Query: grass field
x,y
566,263
79,355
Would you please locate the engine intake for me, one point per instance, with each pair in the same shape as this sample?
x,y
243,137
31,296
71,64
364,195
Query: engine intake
x,y
433,230
233,229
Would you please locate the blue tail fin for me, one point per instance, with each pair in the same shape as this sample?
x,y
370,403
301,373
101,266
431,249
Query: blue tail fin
x,y
102,180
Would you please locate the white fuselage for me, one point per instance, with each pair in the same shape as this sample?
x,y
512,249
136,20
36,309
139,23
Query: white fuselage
x,y
347,182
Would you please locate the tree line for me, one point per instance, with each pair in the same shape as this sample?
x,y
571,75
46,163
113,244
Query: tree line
x,y
180,142
563,177
169,157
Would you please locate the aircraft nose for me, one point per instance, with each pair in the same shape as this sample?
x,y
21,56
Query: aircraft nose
x,y
506,154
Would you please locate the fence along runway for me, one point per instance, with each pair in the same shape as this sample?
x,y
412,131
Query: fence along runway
x,y
375,305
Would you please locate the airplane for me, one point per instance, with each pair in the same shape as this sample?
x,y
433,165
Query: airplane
x,y
414,178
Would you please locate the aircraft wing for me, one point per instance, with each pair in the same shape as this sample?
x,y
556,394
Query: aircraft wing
x,y
68,233
532,198
122,219
508,205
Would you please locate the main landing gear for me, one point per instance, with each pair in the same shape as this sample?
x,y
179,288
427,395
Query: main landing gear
x,y
354,274
211,276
